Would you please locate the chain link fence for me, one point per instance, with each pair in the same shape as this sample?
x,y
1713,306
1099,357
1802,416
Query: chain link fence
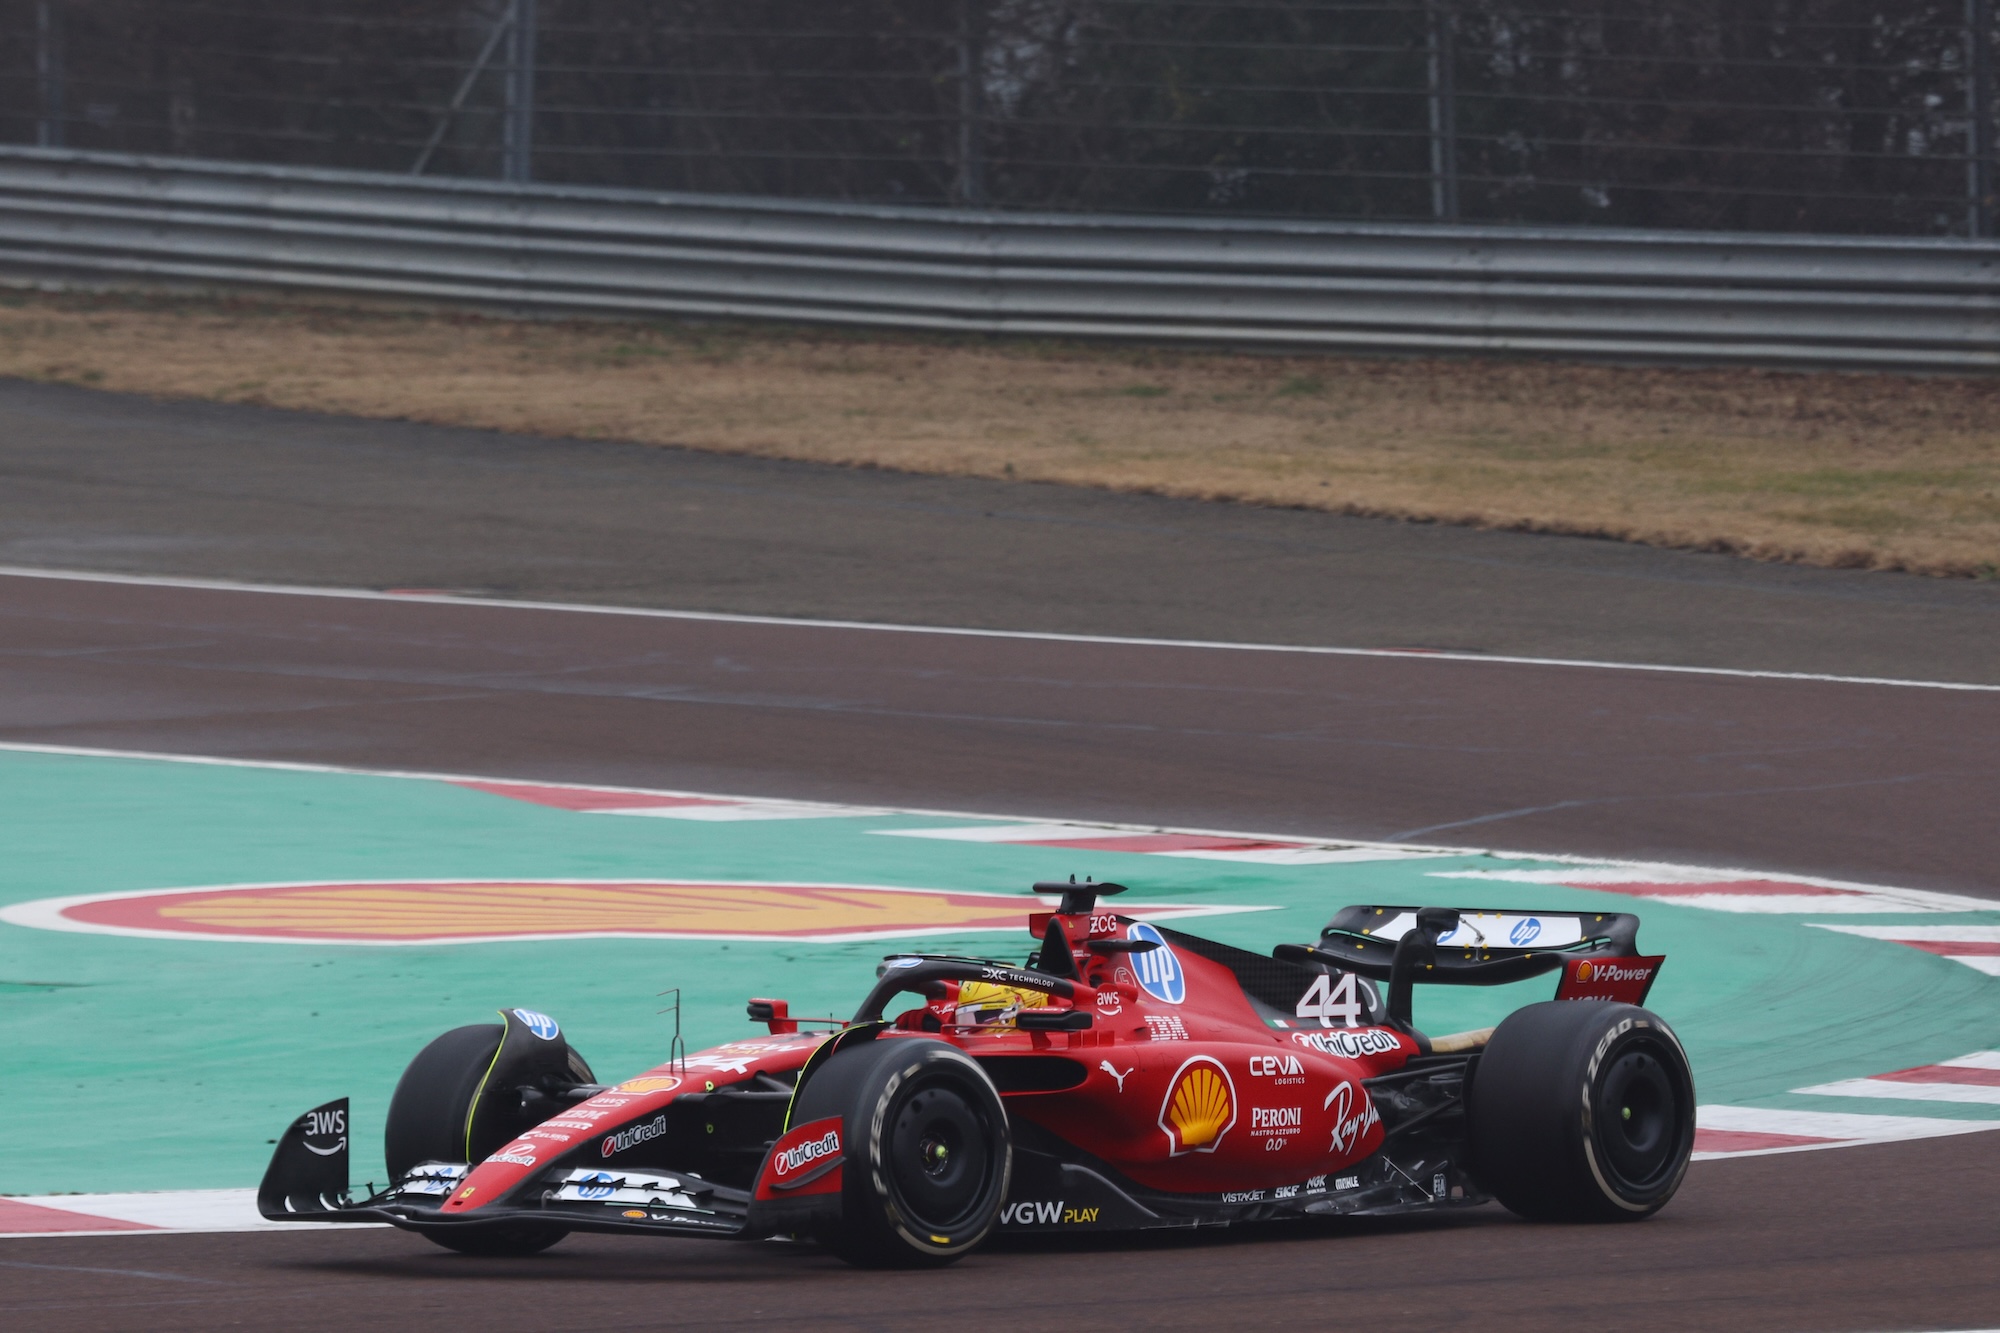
x,y
1868,117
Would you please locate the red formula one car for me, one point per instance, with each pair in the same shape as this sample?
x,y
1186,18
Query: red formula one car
x,y
1126,1077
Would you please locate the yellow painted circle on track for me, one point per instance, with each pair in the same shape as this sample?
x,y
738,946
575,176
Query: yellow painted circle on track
x,y
464,910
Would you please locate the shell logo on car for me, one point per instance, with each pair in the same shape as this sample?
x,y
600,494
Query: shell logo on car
x,y
1199,1108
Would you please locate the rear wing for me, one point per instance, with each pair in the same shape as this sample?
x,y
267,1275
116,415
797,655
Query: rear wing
x,y
1597,952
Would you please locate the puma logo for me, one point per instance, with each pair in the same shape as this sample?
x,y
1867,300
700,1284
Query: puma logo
x,y
1105,1065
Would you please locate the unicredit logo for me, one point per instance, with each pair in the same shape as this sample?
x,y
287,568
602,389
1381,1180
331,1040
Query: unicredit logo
x,y
799,1154
633,1135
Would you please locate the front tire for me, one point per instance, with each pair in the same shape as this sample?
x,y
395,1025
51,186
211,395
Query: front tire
x,y
1582,1111
928,1154
428,1119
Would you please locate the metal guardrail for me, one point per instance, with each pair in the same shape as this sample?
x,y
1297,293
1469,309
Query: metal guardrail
x,y
1805,301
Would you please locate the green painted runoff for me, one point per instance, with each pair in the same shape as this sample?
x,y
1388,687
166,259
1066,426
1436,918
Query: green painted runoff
x,y
193,1054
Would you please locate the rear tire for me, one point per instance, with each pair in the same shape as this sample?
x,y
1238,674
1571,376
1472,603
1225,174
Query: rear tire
x,y
1582,1111
427,1123
927,1149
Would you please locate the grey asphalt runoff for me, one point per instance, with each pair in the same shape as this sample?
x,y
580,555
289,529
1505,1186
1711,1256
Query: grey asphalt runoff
x,y
97,481
1897,1236
1854,781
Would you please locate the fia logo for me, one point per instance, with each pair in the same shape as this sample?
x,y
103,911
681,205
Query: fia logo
x,y
1159,970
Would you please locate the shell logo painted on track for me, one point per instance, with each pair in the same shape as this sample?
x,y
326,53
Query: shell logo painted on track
x,y
466,911
1200,1106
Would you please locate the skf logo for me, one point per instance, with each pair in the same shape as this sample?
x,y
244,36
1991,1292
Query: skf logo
x,y
1200,1106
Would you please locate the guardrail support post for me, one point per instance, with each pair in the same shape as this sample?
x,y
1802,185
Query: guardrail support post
x,y
49,73
1444,111
518,143
971,184
1979,117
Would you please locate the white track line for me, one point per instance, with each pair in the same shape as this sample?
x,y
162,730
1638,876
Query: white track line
x,y
1822,1129
1420,655
149,1213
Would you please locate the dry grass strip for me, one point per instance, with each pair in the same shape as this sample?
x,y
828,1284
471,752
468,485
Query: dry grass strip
x,y
1862,471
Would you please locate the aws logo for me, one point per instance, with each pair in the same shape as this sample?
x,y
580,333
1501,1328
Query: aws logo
x,y
1200,1106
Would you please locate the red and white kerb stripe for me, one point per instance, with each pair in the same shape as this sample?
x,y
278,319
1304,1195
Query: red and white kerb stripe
x,y
1161,842
1975,946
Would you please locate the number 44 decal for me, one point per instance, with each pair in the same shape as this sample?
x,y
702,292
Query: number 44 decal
x,y
1328,1000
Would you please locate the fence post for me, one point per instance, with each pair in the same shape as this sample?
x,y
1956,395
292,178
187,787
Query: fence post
x,y
518,127
971,183
1444,112
49,73
1979,117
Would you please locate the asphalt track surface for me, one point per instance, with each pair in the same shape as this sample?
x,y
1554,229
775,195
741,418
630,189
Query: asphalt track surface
x,y
1859,782
97,481
1850,781
1818,1241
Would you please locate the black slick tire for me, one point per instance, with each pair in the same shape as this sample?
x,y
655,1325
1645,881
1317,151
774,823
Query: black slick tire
x,y
928,1156
1582,1111
427,1123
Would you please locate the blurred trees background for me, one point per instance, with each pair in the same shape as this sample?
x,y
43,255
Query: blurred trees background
x,y
1861,116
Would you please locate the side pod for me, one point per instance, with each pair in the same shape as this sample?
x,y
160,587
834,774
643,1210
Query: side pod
x,y
308,1172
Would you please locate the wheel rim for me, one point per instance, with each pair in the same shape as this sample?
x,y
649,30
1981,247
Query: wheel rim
x,y
940,1156
1639,1117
